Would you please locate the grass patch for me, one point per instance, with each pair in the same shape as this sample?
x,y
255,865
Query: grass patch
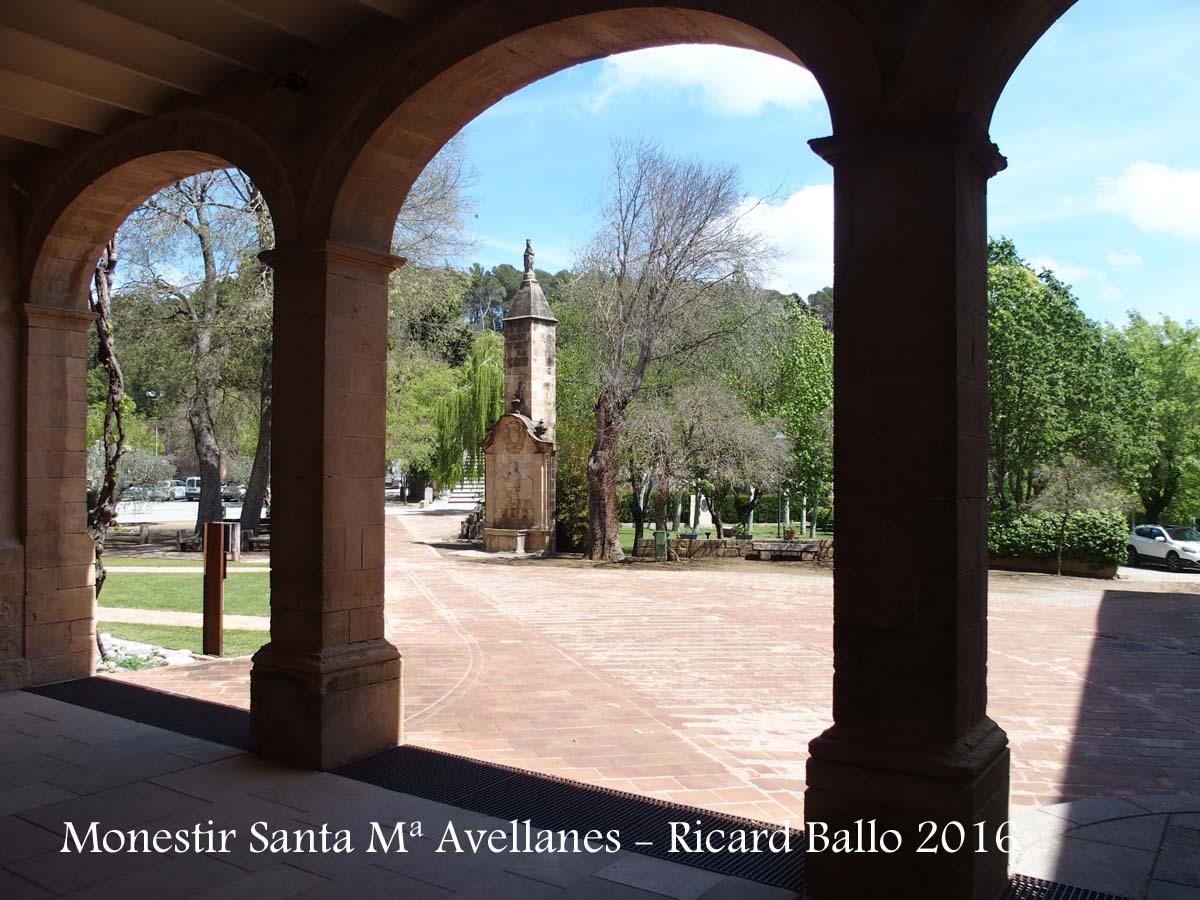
x,y
178,637
246,594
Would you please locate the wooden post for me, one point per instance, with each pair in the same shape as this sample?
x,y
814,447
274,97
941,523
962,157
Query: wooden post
x,y
234,534
214,588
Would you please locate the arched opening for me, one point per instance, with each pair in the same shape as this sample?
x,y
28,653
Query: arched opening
x,y
60,635
1094,242
394,143
469,632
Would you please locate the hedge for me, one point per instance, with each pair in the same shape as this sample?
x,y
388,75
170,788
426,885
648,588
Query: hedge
x,y
1092,535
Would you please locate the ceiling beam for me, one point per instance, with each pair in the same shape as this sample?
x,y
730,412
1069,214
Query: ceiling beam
x,y
39,100
34,131
316,22
86,75
216,27
85,29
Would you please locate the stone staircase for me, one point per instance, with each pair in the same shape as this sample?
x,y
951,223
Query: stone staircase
x,y
467,493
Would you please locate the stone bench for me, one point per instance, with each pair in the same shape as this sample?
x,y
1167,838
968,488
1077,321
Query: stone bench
x,y
816,550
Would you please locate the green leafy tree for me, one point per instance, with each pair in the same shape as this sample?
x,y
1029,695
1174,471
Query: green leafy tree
x,y
415,386
1168,360
803,402
462,418
1059,384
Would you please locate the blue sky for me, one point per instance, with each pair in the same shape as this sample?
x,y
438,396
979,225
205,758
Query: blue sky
x,y
1100,124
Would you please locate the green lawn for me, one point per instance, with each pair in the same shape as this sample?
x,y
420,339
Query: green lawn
x,y
246,594
178,637
766,531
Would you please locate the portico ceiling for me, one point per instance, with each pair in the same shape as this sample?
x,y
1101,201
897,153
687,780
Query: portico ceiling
x,y
76,67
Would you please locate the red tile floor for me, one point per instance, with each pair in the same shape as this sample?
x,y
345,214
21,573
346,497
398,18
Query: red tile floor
x,y
704,685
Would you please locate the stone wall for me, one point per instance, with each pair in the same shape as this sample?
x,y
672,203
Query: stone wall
x,y
1069,566
698,549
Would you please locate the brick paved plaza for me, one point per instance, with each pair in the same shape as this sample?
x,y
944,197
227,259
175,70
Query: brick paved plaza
x,y
704,685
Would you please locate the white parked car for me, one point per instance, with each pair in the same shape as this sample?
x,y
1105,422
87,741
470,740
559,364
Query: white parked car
x,y
1176,545
175,489
191,490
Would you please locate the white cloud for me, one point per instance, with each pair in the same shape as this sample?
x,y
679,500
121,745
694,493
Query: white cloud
x,y
1096,282
731,81
1156,198
1123,259
801,229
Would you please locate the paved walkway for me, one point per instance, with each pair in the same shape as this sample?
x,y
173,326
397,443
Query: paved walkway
x,y
173,617
61,763
704,685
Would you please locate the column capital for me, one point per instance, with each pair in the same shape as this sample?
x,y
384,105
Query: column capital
x,y
38,316
960,129
360,257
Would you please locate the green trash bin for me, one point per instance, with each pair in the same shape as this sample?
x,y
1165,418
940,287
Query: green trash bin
x,y
660,545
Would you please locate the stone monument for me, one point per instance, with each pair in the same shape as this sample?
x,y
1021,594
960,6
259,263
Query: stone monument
x,y
518,454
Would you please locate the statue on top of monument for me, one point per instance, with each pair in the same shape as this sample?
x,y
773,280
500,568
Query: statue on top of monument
x,y
528,256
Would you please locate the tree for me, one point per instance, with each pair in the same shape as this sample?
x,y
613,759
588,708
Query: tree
x,y
664,277
802,399
203,295
431,228
724,447
1071,486
820,304
464,416
103,511
416,384
1058,384
1168,362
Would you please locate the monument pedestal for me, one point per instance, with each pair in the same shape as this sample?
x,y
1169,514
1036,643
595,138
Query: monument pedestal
x,y
517,540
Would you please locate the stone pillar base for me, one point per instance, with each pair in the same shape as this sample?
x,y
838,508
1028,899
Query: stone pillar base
x,y
518,540
327,707
14,675
852,779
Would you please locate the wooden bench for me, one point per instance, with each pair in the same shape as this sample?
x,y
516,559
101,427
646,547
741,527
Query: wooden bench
x,y
260,539
128,535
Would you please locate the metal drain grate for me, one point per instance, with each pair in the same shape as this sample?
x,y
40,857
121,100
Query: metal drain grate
x,y
1022,887
226,725
557,804
500,791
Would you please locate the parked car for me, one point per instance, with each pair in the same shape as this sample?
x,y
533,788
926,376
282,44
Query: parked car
x,y
230,491
1176,545
175,489
191,488
144,493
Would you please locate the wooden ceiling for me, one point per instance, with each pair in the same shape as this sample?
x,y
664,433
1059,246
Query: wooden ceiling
x,y
84,66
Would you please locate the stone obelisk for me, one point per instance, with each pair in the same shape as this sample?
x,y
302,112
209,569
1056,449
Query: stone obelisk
x,y
518,454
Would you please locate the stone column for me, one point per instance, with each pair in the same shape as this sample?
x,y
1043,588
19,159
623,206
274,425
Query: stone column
x,y
326,688
14,668
911,741
60,597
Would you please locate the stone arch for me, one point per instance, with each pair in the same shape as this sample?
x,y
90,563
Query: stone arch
x,y
999,48
89,198
97,191
415,105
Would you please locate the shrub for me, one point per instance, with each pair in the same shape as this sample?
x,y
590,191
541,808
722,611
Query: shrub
x,y
1092,535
